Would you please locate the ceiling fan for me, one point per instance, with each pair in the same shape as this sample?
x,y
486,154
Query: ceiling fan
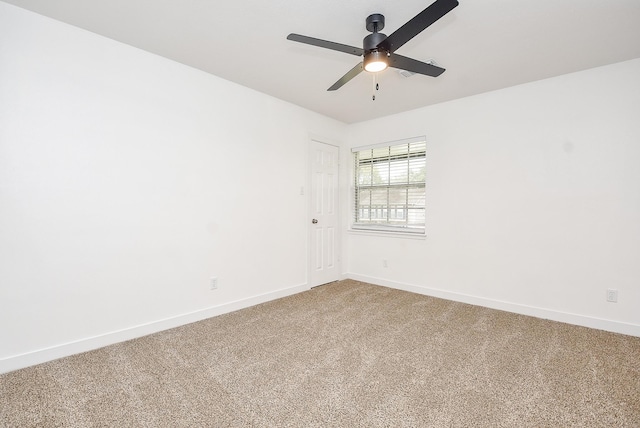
x,y
379,49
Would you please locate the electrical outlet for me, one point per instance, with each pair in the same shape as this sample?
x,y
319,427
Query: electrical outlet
x,y
213,283
385,263
612,295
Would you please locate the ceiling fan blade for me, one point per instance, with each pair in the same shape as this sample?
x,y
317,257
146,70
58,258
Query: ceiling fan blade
x,y
409,64
344,79
326,44
417,24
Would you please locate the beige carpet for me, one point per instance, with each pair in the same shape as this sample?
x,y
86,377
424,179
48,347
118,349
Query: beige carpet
x,y
347,354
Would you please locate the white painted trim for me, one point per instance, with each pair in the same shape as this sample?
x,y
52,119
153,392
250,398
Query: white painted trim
x,y
90,343
565,317
388,234
59,351
390,143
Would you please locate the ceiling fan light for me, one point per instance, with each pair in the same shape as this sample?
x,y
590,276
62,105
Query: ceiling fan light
x,y
375,61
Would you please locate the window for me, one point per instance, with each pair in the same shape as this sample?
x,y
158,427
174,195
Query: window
x,y
390,186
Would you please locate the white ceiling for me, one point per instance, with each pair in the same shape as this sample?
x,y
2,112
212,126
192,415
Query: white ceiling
x,y
484,44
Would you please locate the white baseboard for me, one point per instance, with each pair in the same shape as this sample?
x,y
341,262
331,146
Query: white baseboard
x,y
48,354
569,318
53,353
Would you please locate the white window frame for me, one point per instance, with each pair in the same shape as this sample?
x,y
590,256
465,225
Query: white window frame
x,y
388,227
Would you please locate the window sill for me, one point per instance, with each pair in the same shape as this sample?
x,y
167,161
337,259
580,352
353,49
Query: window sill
x,y
388,234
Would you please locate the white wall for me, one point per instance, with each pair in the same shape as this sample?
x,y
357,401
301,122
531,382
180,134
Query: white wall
x,y
126,181
533,200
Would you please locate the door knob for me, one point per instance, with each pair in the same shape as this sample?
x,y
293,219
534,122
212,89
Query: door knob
x,y
314,221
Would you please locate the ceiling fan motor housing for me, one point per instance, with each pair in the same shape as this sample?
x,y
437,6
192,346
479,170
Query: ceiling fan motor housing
x,y
375,23
375,58
371,42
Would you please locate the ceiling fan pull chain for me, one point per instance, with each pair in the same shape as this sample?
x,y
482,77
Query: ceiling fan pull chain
x,y
375,86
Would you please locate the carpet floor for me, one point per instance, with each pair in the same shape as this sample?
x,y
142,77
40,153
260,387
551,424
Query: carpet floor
x,y
347,354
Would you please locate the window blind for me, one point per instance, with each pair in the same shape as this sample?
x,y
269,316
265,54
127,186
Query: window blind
x,y
390,186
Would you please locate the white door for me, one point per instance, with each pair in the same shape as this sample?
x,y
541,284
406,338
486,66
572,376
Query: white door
x,y
324,256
